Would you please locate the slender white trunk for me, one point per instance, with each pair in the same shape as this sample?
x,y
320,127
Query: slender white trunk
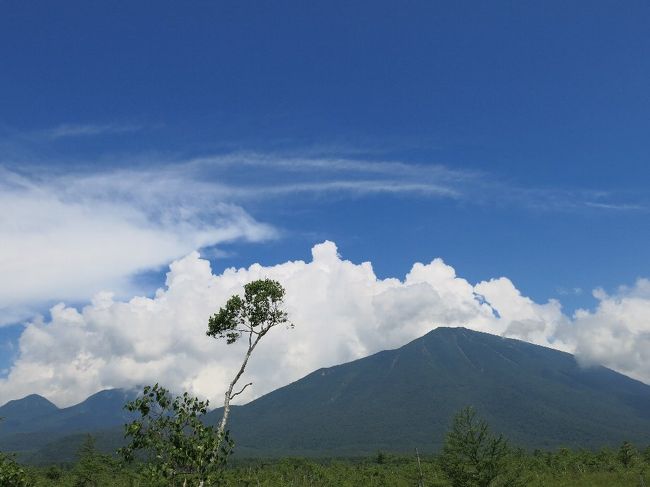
x,y
229,395
421,479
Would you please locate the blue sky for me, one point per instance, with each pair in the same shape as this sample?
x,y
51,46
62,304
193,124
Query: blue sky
x,y
507,138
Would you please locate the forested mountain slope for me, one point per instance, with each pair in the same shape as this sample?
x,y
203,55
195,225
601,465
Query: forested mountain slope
x,y
404,398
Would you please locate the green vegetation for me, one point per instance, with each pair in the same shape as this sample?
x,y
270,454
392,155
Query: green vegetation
x,y
178,447
91,468
473,457
180,450
12,474
560,468
171,445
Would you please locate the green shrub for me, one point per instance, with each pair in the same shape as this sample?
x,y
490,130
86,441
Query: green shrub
x,y
473,457
12,474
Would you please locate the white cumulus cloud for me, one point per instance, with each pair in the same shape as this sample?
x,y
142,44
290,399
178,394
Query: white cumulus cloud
x,y
617,332
341,310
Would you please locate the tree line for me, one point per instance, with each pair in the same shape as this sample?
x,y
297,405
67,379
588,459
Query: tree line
x,y
624,466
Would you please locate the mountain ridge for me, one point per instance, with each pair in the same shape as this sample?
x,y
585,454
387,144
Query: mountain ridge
x,y
396,399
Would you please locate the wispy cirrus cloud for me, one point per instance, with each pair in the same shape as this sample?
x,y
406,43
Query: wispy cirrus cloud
x,y
65,237
24,141
255,175
358,187
86,130
617,206
248,175
564,199
324,174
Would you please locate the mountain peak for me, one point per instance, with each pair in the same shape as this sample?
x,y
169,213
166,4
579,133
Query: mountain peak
x,y
456,331
32,402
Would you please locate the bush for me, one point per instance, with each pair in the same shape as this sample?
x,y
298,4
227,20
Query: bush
x,y
473,457
179,448
12,474
628,454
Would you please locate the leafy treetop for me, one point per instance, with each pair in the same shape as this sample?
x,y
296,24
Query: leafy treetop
x,y
253,315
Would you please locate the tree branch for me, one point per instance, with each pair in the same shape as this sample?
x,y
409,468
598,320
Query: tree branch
x,y
242,390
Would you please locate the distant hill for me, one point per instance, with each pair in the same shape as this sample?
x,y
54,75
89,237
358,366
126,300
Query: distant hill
x,y
20,415
33,422
396,400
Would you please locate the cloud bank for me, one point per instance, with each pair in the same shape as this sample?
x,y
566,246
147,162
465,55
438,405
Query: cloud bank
x,y
341,312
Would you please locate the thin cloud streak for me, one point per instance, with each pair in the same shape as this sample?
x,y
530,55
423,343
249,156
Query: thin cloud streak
x,y
333,165
227,178
86,130
350,187
23,142
433,180
617,206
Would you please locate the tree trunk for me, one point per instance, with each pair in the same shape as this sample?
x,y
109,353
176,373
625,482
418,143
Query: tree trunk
x,y
421,478
228,396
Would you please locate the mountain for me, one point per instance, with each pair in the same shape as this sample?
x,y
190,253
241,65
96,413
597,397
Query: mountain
x,y
20,414
399,399
32,422
396,400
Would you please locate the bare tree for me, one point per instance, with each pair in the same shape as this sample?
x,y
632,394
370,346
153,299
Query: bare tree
x,y
248,318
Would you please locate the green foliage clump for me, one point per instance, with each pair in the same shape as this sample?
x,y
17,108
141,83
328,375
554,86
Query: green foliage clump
x,y
177,446
381,458
253,315
473,457
92,468
628,454
646,455
53,473
12,474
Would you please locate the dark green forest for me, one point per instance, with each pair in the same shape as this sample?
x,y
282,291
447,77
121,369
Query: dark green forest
x,y
472,456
